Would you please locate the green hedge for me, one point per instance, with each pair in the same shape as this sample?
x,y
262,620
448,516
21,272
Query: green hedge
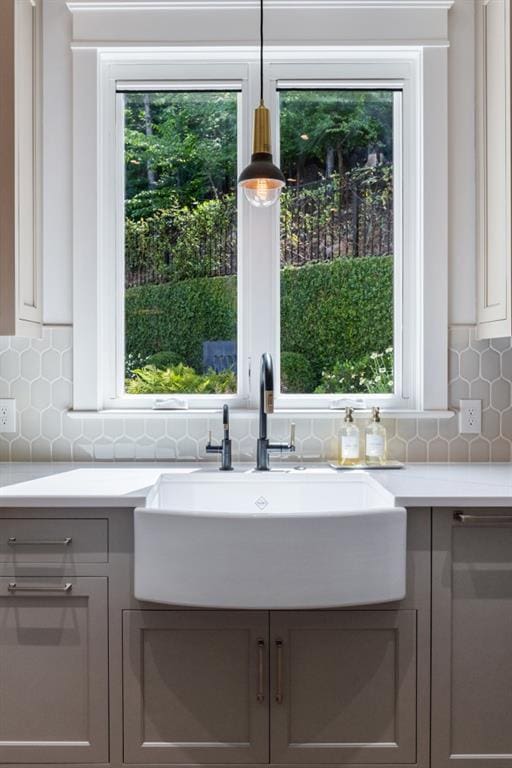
x,y
338,310
178,317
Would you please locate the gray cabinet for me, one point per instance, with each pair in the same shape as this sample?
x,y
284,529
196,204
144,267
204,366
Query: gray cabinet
x,y
472,639
343,687
195,687
53,670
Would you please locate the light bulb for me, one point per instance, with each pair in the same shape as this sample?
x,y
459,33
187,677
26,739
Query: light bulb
x,y
262,193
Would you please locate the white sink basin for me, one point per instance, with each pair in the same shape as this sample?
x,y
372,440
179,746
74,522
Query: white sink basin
x,y
269,540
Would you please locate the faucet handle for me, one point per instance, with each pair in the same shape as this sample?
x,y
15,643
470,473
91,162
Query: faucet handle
x,y
209,437
292,436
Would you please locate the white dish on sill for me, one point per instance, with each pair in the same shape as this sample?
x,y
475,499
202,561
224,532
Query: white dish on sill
x,y
269,540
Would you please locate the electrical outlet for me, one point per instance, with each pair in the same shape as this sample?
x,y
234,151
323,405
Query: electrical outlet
x,y
7,415
470,417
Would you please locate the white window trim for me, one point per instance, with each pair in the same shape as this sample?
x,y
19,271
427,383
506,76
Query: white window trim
x,y
95,69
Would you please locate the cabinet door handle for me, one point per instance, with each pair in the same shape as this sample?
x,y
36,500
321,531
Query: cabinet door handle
x,y
461,517
279,672
260,695
13,587
12,541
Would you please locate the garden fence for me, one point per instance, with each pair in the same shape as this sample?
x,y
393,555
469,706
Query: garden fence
x,y
341,217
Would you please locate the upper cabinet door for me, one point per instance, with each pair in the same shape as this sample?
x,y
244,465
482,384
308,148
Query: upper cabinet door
x,y
493,168
20,302
343,687
195,687
472,639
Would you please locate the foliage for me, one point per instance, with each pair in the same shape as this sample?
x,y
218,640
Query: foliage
x,y
348,215
179,243
163,360
180,378
179,146
176,318
323,131
334,311
296,373
337,310
372,374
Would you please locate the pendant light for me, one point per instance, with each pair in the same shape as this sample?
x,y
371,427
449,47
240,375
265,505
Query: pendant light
x,y
262,181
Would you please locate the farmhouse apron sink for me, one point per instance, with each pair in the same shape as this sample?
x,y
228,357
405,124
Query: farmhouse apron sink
x,y
269,540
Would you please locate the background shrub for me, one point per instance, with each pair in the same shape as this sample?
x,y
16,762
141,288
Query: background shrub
x,y
176,318
181,378
163,360
330,313
372,373
296,373
340,310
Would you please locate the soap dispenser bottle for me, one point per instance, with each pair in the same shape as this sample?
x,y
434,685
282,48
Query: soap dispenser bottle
x,y
375,440
349,441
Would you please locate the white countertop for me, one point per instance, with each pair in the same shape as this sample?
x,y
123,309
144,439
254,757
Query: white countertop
x,y
127,484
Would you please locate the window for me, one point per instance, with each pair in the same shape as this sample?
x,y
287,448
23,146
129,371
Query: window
x,y
341,151
337,239
336,282
180,241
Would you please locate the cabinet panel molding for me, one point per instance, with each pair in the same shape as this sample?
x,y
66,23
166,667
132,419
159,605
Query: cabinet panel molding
x,y
53,670
195,687
20,152
494,216
471,639
344,687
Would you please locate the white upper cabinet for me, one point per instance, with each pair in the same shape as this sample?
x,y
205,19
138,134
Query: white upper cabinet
x,y
493,168
20,300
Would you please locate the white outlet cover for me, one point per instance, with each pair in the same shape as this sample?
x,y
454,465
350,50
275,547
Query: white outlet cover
x,y
470,417
7,414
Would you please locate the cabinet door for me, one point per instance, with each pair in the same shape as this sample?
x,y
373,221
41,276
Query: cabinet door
x,y
20,305
493,168
195,687
343,687
472,639
53,670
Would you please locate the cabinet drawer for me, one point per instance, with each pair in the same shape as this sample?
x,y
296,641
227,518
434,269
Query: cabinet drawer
x,y
53,540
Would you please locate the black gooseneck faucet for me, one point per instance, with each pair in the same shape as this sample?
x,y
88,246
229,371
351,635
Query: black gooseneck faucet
x,y
263,446
225,446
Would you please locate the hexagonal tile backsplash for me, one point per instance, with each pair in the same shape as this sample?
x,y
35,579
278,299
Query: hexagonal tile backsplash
x,y
38,373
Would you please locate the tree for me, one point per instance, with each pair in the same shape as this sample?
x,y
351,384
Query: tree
x,y
321,127
181,147
187,155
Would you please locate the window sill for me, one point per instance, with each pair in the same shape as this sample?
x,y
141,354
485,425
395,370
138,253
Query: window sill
x,y
247,413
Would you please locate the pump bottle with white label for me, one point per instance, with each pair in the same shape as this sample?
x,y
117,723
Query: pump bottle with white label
x,y
348,453
375,440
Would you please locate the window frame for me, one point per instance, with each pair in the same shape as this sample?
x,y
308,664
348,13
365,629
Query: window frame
x,y
116,378
417,69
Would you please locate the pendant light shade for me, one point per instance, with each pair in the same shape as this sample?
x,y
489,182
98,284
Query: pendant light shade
x,y
262,181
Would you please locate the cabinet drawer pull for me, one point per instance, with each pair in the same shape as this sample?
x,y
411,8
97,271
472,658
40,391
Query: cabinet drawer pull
x,y
12,587
279,672
12,541
260,695
461,517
